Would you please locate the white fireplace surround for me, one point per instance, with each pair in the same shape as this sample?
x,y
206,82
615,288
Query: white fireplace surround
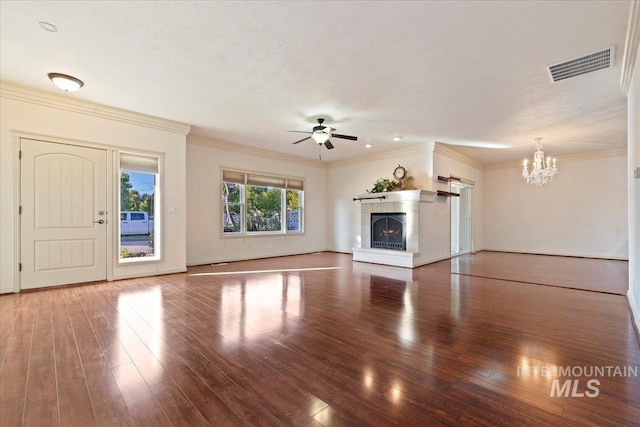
x,y
413,203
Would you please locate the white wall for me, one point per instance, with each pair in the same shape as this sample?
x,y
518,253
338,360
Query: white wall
x,y
582,212
348,179
634,192
57,117
205,244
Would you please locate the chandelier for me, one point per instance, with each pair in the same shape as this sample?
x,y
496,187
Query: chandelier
x,y
541,171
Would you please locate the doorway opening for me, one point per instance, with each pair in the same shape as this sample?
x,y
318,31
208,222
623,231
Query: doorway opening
x,y
462,219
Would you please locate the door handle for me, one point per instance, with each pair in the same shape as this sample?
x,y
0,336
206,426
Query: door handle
x,y
101,221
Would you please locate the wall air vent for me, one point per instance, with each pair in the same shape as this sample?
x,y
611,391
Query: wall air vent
x,y
583,65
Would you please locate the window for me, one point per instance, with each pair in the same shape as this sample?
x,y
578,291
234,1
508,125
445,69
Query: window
x,y
261,204
232,207
139,230
294,210
264,209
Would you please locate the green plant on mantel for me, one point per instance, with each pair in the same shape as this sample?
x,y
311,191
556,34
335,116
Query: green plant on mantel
x,y
384,185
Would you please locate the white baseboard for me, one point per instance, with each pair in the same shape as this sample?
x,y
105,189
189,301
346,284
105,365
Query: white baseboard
x,y
253,258
148,274
572,255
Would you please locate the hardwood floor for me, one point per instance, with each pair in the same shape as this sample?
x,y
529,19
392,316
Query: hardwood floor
x,y
317,340
598,275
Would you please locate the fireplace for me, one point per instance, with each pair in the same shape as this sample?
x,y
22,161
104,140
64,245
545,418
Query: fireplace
x,y
406,210
388,231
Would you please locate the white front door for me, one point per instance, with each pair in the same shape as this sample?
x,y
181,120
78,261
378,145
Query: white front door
x,y
63,224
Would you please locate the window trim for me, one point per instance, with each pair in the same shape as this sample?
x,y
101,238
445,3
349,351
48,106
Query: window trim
x,y
260,179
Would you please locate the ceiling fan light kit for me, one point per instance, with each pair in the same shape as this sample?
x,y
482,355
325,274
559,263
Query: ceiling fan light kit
x,y
320,137
322,134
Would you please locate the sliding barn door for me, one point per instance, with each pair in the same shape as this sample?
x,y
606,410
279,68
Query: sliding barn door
x,y
63,223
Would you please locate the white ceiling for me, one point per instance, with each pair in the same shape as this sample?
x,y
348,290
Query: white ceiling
x,y
463,73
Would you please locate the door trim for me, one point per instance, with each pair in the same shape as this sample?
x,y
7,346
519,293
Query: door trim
x,y
466,183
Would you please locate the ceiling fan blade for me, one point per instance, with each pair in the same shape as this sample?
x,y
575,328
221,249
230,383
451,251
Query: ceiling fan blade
x,y
303,139
349,137
299,131
329,145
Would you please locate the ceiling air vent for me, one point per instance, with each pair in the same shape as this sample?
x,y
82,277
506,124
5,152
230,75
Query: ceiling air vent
x,y
583,65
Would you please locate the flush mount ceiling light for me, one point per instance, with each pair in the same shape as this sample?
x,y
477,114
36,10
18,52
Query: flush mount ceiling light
x,y
367,145
65,82
397,138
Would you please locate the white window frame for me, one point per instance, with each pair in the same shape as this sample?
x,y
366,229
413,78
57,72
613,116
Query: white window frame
x,y
157,209
257,179
242,211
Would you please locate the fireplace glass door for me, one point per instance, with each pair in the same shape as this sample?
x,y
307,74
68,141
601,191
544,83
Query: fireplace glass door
x,y
388,231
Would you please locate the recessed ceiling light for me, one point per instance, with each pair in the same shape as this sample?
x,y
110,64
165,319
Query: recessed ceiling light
x,y
48,27
65,82
367,145
397,138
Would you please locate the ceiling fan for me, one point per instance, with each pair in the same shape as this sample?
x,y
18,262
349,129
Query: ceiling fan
x,y
321,135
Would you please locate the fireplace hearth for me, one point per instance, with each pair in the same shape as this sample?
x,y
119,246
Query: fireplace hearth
x,y
388,231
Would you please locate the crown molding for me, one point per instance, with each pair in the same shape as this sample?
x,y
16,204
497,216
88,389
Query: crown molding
x,y
446,150
254,151
383,155
632,41
40,97
588,155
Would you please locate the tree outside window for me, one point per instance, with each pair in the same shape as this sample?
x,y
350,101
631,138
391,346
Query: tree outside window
x,y
264,209
232,206
131,199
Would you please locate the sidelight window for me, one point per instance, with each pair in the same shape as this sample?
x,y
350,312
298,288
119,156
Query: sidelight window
x,y
139,225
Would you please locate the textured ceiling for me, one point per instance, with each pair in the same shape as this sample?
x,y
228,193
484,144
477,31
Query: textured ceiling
x,y
470,74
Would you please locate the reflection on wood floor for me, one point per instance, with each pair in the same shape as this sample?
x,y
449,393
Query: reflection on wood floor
x,y
320,340
598,275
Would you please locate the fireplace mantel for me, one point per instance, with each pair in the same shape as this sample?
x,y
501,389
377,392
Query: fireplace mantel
x,y
397,196
412,203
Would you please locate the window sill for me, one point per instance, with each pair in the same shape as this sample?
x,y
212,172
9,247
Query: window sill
x,y
261,234
139,260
